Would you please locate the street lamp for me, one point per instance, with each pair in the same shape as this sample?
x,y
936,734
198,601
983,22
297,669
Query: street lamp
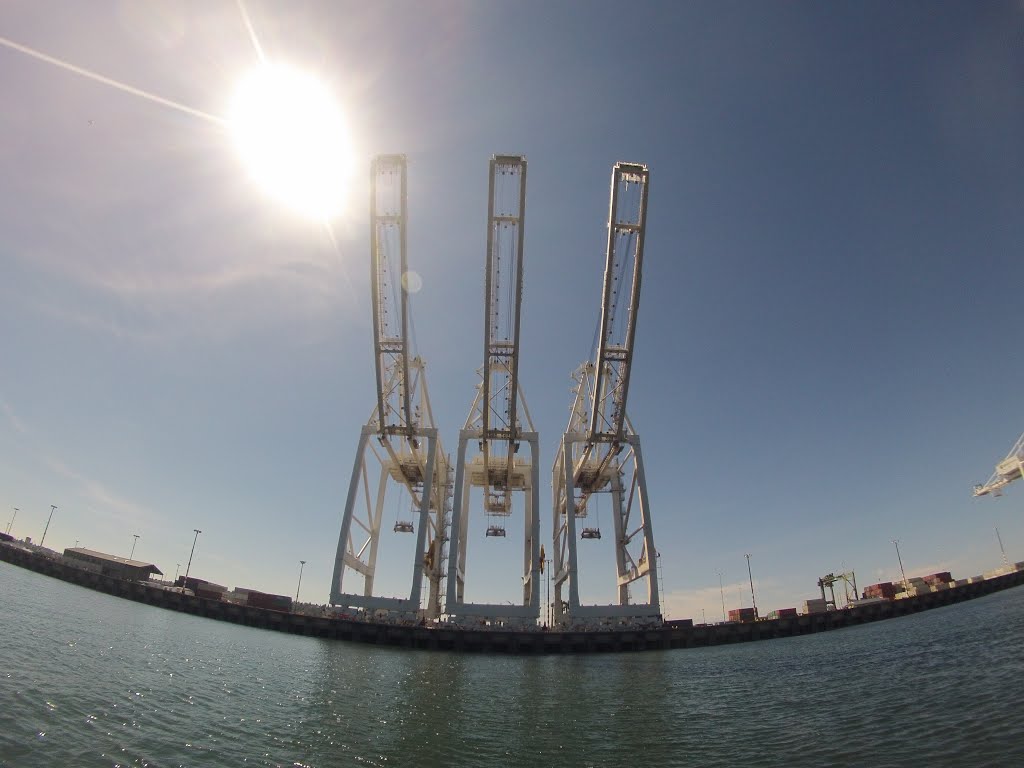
x,y
136,541
302,564
661,584
47,528
177,567
12,520
189,566
897,543
722,590
751,577
550,605
1000,540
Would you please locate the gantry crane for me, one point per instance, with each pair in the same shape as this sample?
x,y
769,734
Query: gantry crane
x,y
499,421
600,451
400,436
829,580
1009,469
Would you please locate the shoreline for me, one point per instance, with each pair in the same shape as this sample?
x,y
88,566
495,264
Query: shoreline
x,y
672,635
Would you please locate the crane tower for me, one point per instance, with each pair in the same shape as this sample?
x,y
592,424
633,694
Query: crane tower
x,y
1009,469
400,437
494,430
600,451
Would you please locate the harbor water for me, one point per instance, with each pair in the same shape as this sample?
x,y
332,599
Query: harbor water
x,y
87,679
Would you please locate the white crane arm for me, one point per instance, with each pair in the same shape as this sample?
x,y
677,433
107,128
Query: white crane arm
x,y
388,216
1009,469
627,223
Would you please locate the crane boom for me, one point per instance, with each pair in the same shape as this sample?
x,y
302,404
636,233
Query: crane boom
x,y
1009,469
390,303
627,221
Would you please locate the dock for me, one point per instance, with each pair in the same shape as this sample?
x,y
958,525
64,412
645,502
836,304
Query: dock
x,y
670,635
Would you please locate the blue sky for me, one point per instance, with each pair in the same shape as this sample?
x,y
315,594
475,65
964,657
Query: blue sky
x,y
826,356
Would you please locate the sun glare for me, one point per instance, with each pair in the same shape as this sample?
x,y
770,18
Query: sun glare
x,y
292,137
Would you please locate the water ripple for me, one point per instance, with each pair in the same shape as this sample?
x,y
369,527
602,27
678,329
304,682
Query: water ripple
x,y
92,680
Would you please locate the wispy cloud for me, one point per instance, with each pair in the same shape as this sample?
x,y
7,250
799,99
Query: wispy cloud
x,y
689,604
184,299
106,500
12,417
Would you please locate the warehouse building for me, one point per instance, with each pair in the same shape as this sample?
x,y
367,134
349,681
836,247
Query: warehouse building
x,y
110,565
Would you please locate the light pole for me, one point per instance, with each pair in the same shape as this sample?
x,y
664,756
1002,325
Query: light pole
x,y
47,528
177,566
549,615
999,540
302,564
12,520
661,585
897,543
722,590
189,566
751,577
136,541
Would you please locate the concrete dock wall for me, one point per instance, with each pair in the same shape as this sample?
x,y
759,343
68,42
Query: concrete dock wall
x,y
680,634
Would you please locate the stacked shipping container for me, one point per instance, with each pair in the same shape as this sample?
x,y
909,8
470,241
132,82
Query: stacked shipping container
x,y
884,589
741,614
265,600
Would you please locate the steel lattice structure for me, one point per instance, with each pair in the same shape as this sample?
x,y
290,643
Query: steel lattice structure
x,y
600,451
495,425
1009,469
400,439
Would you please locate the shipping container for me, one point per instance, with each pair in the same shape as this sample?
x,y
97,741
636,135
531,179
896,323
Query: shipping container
x,y
265,600
817,605
741,614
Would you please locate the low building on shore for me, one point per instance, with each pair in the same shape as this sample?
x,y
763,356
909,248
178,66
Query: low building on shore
x,y
110,565
202,587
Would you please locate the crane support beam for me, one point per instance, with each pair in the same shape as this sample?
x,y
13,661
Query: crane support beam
x,y
388,267
627,224
503,297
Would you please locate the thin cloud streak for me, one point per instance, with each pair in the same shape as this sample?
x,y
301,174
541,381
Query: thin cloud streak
x,y
95,76
252,32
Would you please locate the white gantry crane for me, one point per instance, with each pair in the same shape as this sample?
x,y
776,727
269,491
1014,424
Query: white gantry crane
x,y
400,438
495,430
1009,469
600,452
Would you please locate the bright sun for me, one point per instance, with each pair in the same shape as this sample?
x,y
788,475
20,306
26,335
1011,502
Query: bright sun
x,y
293,138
